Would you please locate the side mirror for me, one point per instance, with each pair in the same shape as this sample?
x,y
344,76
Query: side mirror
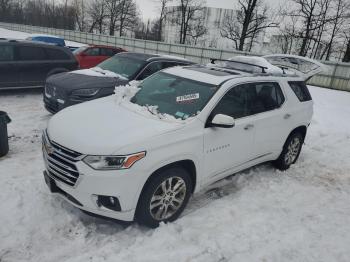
x,y
223,121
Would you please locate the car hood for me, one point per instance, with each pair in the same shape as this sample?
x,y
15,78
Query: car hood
x,y
103,127
78,79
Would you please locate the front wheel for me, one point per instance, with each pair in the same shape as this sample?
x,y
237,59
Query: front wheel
x,y
165,197
291,151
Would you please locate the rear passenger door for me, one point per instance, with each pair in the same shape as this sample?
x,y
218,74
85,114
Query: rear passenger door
x,y
271,120
32,65
9,75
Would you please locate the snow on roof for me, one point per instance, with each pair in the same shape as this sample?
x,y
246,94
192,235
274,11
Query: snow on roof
x,y
186,72
172,57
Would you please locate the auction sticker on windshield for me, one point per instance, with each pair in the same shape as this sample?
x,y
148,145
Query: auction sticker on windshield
x,y
187,98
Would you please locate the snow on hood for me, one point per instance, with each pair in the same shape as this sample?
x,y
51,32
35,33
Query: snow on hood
x,y
102,127
97,71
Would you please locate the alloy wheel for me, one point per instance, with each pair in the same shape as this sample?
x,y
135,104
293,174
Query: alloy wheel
x,y
292,151
168,198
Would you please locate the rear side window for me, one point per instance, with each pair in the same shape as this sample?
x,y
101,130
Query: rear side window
x,y
264,97
301,91
55,54
6,53
30,53
250,99
150,70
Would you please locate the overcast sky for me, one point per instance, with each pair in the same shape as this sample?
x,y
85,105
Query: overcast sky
x,y
148,8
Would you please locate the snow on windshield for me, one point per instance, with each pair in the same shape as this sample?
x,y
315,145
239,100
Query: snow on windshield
x,y
123,95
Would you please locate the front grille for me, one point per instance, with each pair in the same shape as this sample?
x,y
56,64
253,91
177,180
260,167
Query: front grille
x,y
60,162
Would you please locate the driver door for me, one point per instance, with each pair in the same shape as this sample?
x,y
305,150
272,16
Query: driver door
x,y
226,149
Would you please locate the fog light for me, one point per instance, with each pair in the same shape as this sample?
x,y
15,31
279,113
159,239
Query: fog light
x,y
109,202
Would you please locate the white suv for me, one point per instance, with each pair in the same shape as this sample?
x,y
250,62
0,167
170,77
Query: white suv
x,y
140,154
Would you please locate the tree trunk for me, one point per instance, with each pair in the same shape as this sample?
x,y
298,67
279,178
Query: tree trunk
x,y
346,57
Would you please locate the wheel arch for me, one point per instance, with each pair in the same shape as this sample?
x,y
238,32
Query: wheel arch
x,y
301,129
187,164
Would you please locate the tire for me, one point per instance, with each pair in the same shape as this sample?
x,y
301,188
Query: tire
x,y
167,204
291,151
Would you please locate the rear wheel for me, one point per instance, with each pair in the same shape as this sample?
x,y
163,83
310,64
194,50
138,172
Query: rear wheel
x,y
165,197
291,151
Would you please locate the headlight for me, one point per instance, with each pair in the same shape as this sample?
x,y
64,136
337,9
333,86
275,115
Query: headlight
x,y
85,92
113,162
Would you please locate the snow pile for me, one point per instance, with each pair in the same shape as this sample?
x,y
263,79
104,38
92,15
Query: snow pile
x,y
126,92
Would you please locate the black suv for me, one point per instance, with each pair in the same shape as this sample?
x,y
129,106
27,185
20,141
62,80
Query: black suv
x,y
25,64
66,89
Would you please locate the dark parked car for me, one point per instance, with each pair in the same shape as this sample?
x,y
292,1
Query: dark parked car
x,y
25,64
66,89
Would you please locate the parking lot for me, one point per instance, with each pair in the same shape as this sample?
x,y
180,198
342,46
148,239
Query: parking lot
x,y
261,214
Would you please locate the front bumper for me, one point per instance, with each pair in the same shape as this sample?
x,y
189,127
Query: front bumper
x,y
85,189
55,187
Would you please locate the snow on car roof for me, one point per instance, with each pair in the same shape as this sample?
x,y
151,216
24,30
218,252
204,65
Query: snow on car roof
x,y
205,76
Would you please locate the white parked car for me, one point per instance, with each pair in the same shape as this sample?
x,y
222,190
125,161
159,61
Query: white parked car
x,y
141,155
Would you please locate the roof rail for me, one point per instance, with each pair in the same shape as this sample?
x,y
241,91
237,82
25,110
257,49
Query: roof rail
x,y
263,68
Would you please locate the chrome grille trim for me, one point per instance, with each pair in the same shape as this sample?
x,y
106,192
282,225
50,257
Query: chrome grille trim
x,y
60,162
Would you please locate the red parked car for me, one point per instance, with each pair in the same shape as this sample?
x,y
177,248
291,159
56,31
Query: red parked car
x,y
90,56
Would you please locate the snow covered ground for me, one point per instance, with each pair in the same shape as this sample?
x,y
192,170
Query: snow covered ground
x,y
261,214
22,35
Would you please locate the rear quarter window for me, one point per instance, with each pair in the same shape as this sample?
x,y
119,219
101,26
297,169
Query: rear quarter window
x,y
300,90
6,53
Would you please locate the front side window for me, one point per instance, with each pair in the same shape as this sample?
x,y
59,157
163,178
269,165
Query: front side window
x,y
300,90
6,53
30,53
94,51
125,66
174,95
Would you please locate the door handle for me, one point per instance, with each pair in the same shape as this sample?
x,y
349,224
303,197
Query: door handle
x,y
248,127
286,116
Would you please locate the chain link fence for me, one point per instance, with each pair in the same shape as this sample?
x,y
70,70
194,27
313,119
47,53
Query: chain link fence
x,y
337,75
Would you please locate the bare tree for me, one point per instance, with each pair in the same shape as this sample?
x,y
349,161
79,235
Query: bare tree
x,y
122,15
163,12
337,23
128,14
98,13
80,14
247,22
197,30
186,13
